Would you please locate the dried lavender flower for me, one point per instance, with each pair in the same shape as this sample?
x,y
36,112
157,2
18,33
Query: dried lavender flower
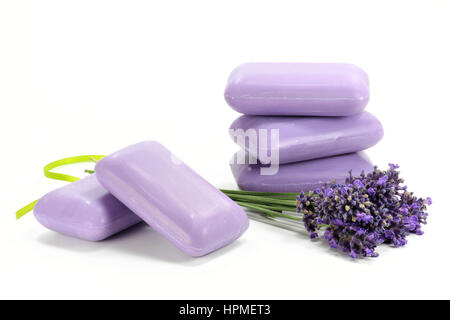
x,y
364,212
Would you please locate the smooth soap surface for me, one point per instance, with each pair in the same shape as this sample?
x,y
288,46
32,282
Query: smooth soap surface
x,y
300,89
305,138
84,210
301,176
172,198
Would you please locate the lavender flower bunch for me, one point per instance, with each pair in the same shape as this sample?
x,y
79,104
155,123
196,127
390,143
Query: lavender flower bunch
x,y
364,212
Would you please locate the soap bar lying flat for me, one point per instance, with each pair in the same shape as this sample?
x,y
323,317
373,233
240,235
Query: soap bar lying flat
x,y
301,89
301,176
172,198
305,138
85,210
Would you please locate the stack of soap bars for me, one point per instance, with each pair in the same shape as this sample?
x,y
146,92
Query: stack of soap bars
x,y
304,124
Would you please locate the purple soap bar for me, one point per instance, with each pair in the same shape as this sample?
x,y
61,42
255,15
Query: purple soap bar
x,y
300,89
305,138
84,210
300,176
172,198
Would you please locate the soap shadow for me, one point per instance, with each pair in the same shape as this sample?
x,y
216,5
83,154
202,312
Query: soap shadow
x,y
144,242
61,241
139,240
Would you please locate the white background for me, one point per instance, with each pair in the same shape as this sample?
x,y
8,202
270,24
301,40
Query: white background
x,y
80,77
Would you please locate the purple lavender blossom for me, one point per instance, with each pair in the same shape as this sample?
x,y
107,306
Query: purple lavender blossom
x,y
358,184
332,243
382,180
364,212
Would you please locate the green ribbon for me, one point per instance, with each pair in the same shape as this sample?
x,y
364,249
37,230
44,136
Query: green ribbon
x,y
59,176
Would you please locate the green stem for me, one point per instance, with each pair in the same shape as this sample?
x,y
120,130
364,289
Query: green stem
x,y
263,200
255,207
265,194
278,207
270,213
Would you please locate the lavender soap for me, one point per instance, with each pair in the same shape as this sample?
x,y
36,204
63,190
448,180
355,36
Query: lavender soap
x,y
305,138
300,176
300,89
172,198
84,210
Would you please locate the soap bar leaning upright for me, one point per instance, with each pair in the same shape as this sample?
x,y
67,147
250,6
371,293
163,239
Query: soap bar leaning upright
x,y
298,89
84,210
172,198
